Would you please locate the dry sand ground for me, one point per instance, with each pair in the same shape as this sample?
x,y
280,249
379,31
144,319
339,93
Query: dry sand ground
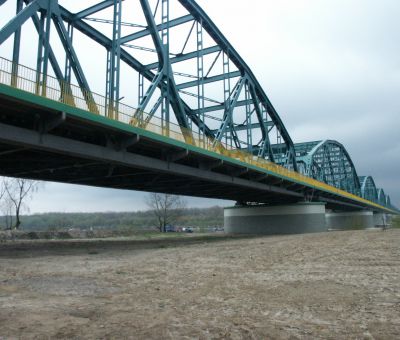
x,y
332,285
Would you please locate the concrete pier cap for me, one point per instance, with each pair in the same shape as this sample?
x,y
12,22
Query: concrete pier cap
x,y
295,218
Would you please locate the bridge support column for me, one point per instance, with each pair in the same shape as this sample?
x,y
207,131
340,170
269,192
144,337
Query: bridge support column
x,y
381,219
349,220
283,219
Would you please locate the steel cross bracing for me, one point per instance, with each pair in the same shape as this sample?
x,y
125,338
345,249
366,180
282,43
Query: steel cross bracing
x,y
167,59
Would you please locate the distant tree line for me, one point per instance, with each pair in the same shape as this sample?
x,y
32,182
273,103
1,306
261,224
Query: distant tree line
x,y
164,210
195,217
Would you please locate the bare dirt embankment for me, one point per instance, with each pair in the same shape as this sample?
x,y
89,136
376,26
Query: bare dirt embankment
x,y
330,285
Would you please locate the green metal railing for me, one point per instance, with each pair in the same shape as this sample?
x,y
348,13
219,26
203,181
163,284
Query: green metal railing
x,y
28,79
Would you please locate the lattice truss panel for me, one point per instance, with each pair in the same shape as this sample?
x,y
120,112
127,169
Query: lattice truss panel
x,y
329,162
368,188
166,58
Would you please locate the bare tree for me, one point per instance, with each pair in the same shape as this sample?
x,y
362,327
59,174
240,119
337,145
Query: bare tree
x,y
2,188
167,208
18,190
7,208
5,204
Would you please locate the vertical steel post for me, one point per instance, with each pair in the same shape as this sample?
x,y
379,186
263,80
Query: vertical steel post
x,y
323,166
66,92
115,62
140,95
200,77
248,120
108,80
328,151
140,88
46,49
16,48
39,59
165,114
261,150
43,50
267,142
68,66
281,160
343,174
227,92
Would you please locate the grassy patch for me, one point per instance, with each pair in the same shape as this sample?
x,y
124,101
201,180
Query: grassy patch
x,y
396,222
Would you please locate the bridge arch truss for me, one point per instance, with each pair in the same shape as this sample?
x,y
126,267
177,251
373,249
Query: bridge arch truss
x,y
186,72
328,161
368,188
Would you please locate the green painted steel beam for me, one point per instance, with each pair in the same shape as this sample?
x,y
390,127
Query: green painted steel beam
x,y
187,56
16,22
244,127
209,80
221,107
93,9
146,32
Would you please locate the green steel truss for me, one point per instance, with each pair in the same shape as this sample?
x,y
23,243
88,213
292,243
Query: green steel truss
x,y
180,69
329,162
186,71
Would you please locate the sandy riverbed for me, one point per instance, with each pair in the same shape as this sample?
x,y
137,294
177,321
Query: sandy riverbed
x,y
330,285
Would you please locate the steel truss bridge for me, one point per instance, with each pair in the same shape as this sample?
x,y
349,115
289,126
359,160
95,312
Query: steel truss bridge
x,y
198,123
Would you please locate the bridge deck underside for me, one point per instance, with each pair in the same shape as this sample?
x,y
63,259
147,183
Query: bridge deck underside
x,y
43,142
78,153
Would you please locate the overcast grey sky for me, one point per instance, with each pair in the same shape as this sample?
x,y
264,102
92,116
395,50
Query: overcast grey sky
x,y
330,67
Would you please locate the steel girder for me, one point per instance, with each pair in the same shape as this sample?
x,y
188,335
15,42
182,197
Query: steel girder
x,y
243,118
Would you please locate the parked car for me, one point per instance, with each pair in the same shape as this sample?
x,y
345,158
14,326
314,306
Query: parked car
x,y
170,229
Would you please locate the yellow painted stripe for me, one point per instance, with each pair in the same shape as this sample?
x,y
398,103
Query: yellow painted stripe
x,y
56,90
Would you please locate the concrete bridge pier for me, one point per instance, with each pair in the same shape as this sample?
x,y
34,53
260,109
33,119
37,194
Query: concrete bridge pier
x,y
381,219
349,220
275,219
